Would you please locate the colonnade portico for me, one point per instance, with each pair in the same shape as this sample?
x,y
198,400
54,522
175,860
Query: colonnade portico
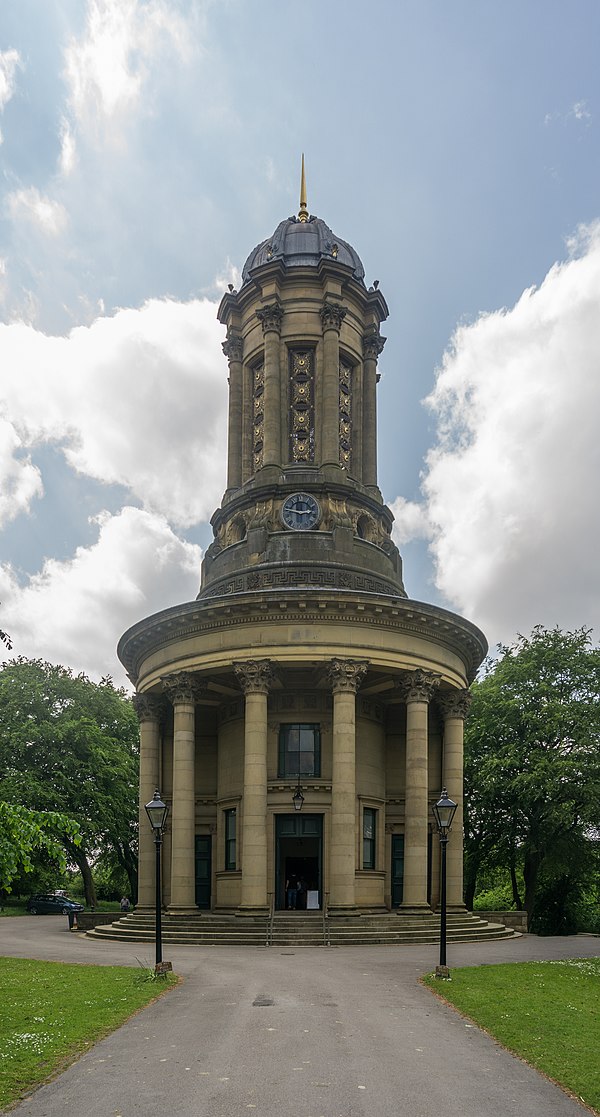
x,y
185,692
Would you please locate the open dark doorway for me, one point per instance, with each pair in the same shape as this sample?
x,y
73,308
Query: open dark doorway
x,y
299,857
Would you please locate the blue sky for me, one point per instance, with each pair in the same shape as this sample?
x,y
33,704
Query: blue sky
x,y
148,146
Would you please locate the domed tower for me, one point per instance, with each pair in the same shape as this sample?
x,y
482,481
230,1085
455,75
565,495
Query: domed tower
x,y
302,715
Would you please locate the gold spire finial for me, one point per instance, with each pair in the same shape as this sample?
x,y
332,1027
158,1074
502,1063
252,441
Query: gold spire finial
x,y
303,211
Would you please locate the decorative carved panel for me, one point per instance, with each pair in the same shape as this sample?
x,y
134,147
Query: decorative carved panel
x,y
258,414
302,407
345,414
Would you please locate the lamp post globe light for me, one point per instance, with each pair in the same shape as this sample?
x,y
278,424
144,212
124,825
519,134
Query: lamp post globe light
x,y
157,812
443,812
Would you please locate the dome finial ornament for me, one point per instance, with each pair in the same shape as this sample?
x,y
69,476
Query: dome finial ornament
x,y
303,211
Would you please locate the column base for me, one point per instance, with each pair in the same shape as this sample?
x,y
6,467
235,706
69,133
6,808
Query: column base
x,y
456,909
250,911
414,909
175,909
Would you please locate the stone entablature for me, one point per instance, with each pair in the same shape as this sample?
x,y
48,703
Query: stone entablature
x,y
210,631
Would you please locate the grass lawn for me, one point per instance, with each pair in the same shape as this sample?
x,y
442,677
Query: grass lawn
x,y
546,1012
53,1011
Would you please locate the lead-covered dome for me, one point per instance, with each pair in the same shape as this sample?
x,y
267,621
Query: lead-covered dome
x,y
303,243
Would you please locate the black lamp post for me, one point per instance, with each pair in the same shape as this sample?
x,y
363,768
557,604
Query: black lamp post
x,y
444,811
157,812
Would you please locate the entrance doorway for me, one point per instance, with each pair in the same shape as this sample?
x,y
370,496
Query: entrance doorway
x,y
299,854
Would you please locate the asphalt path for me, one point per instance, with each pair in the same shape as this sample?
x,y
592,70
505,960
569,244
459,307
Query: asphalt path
x,y
318,1032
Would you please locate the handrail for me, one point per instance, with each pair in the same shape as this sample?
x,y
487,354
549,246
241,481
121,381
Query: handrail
x,y
326,935
271,896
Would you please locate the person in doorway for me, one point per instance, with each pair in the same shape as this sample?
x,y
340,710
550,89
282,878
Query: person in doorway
x,y
301,894
291,891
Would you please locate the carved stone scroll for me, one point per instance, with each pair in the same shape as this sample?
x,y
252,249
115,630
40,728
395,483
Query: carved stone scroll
x,y
270,317
256,676
373,344
346,674
332,316
419,686
149,707
455,703
233,347
183,686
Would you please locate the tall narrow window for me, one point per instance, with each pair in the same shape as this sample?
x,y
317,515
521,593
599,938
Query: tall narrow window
x,y
230,839
369,835
299,750
302,409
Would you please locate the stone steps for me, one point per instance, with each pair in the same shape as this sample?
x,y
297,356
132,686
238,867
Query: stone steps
x,y
302,930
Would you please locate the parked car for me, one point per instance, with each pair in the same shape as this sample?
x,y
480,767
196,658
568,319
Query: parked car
x,y
48,904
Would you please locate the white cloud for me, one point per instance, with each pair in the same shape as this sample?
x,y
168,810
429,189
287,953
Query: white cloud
x,y
9,61
68,150
410,521
107,67
29,205
73,612
137,399
511,485
20,481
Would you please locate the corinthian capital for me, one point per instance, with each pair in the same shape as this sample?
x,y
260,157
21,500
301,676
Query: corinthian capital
x,y
419,686
183,686
373,344
270,317
455,703
148,707
233,347
346,674
256,676
332,315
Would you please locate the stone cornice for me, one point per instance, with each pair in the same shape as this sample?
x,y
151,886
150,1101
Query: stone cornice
x,y
194,618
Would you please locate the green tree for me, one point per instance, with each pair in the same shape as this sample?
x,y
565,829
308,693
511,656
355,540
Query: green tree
x,y
26,835
532,763
69,745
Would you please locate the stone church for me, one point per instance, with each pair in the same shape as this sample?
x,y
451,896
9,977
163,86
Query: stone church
x,y
302,715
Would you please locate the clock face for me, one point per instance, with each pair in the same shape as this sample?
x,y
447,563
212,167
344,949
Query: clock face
x,y
300,512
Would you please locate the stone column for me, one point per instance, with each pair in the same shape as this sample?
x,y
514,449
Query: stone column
x,y
332,316
255,678
183,689
233,350
418,689
149,709
270,318
455,707
373,345
345,676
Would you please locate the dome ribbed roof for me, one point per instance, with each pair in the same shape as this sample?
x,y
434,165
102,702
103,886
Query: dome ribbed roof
x,y
303,244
